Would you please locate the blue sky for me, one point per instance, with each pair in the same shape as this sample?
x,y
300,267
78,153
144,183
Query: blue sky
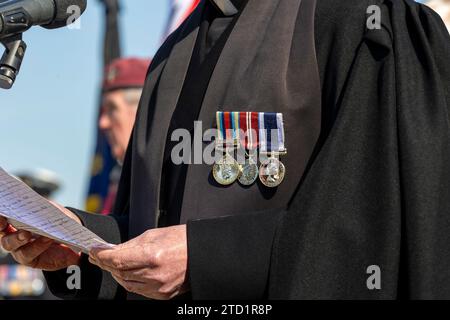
x,y
48,119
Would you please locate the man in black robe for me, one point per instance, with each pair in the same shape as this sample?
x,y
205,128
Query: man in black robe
x,y
364,87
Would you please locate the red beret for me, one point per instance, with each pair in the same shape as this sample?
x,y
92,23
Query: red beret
x,y
125,73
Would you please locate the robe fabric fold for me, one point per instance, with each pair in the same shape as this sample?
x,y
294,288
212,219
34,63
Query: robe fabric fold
x,y
378,192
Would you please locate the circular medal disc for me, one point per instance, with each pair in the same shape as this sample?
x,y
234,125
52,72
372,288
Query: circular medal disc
x,y
249,173
272,172
226,171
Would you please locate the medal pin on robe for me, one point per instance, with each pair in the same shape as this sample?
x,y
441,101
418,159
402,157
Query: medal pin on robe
x,y
248,124
227,170
272,143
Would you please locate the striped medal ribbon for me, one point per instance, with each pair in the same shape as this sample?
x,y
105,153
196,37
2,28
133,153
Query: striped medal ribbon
x,y
249,137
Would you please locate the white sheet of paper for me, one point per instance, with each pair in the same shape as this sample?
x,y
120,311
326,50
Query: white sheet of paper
x,y
27,210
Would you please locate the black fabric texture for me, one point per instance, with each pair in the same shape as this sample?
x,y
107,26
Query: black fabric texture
x,y
238,259
378,191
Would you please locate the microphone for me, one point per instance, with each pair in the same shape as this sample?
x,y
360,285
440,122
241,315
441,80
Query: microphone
x,y
17,16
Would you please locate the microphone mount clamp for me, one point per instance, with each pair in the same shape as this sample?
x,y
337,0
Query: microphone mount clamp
x,y
11,60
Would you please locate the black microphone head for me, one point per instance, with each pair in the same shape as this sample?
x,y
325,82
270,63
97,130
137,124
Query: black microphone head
x,y
64,12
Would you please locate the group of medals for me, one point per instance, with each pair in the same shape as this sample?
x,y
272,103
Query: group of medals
x,y
260,137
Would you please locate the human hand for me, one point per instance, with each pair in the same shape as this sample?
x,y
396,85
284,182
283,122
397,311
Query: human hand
x,y
38,252
153,265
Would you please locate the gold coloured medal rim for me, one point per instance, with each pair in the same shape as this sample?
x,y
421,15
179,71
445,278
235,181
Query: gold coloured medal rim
x,y
224,182
223,162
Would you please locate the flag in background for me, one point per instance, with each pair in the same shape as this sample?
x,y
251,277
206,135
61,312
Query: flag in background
x,y
442,7
103,162
180,10
104,173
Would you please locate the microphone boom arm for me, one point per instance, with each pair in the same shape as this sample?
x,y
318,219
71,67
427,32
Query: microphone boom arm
x,y
11,60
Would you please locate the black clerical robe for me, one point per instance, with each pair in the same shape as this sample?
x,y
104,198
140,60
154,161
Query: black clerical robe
x,y
368,167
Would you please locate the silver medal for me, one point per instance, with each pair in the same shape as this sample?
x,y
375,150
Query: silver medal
x,y
249,173
272,172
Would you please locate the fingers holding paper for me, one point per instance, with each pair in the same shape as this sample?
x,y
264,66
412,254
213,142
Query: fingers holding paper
x,y
14,240
40,253
153,265
28,252
35,252
11,238
3,225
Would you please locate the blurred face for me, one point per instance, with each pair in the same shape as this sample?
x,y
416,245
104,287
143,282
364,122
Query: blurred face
x,y
117,119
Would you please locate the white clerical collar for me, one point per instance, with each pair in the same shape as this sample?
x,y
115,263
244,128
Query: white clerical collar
x,y
226,6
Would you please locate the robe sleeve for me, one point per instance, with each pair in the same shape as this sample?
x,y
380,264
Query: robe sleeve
x,y
378,193
423,95
95,283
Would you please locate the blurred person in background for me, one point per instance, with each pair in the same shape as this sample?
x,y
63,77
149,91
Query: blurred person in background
x,y
443,8
122,89
20,282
